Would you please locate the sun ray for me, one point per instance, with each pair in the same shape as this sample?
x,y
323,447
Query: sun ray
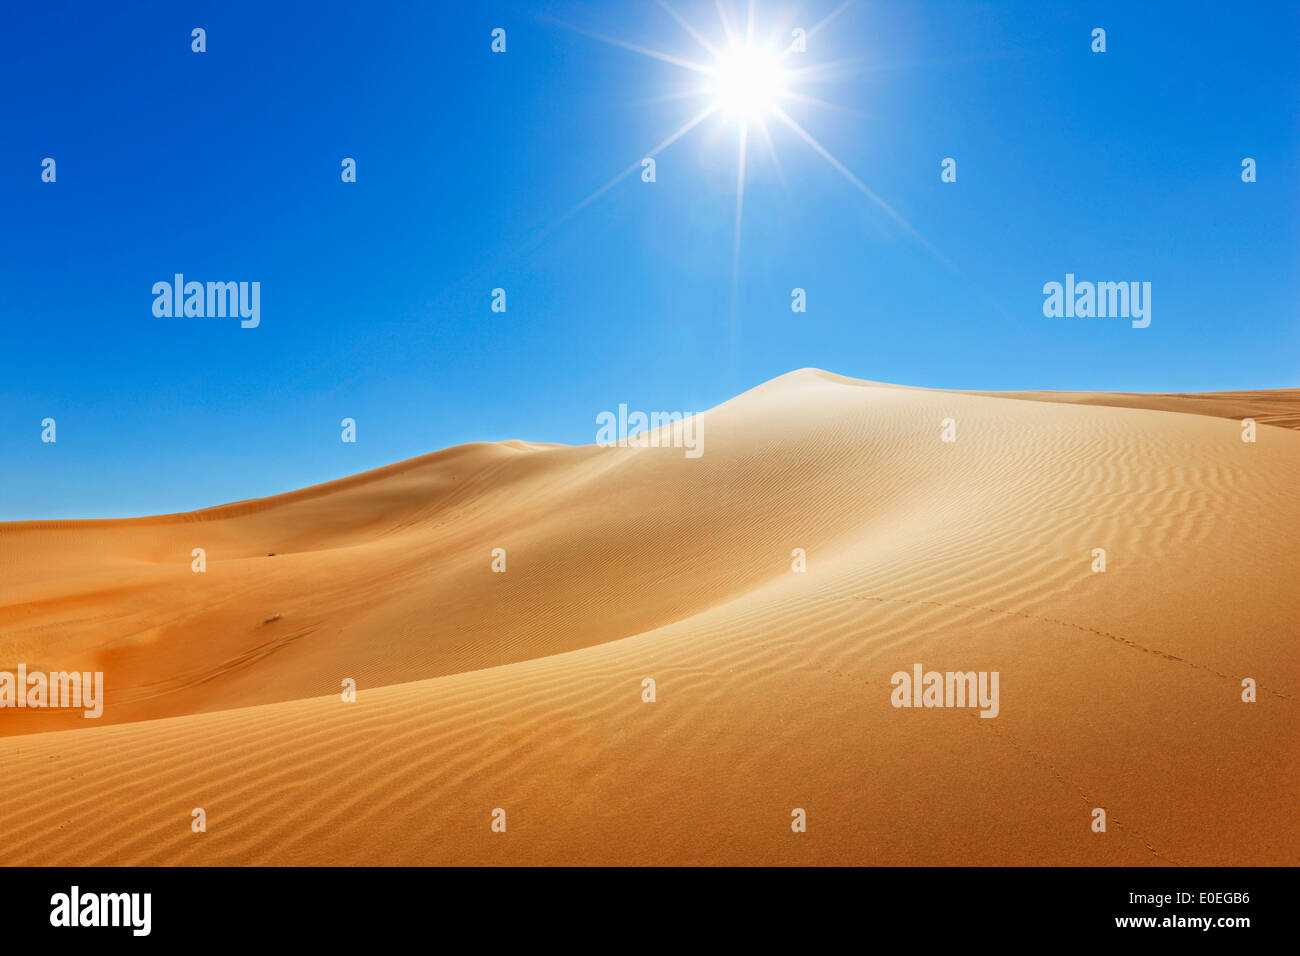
x,y
674,137
839,167
805,71
750,82
635,48
734,323
740,202
825,104
726,24
695,34
830,16
824,20
672,97
860,185
761,123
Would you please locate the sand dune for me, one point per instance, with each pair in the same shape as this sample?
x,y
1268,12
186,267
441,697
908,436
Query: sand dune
x,y
522,690
1279,406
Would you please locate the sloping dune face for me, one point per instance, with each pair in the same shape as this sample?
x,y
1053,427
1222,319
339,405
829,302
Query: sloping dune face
x,y
827,538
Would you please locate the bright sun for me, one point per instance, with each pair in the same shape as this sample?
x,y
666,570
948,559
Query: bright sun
x,y
748,81
752,80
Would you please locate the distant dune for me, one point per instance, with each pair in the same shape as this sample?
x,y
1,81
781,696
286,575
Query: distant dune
x,y
523,690
1275,407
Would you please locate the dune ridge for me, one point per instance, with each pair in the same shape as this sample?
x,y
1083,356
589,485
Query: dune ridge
x,y
523,690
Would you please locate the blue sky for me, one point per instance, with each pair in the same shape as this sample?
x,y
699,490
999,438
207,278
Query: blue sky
x,y
375,303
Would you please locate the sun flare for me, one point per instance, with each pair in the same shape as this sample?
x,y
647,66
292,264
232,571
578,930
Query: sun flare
x,y
754,83
748,81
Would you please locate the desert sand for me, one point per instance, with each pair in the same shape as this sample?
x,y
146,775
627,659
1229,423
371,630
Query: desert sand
x,y
523,690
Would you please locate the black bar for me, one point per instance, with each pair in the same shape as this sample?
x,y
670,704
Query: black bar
x,y
342,906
